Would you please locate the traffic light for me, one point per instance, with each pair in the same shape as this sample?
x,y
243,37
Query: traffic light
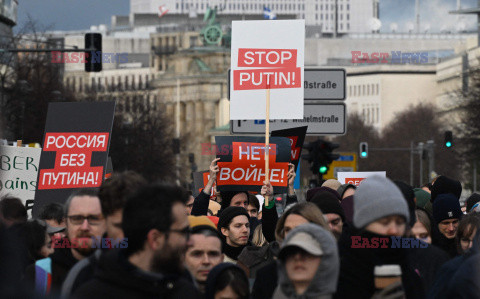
x,y
363,150
93,42
320,155
448,139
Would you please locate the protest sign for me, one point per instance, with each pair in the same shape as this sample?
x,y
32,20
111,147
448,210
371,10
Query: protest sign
x,y
296,137
242,161
267,55
200,180
75,150
355,178
18,172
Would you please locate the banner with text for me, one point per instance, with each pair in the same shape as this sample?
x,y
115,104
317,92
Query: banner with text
x,y
243,167
355,178
18,173
75,150
267,54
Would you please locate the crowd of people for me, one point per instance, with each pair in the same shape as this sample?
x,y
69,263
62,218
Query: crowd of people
x,y
137,239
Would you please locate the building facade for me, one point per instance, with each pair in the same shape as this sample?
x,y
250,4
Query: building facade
x,y
348,15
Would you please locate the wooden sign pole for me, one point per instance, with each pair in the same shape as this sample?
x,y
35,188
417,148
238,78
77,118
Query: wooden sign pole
x,y
267,142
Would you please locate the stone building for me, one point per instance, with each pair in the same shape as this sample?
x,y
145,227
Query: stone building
x,y
192,88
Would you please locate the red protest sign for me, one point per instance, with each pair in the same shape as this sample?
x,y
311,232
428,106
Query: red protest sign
x,y
263,78
267,57
244,167
267,68
72,162
75,150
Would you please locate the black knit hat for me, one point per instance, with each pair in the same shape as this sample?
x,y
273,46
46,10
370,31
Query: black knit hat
x,y
311,192
228,214
227,197
473,199
445,185
328,203
446,206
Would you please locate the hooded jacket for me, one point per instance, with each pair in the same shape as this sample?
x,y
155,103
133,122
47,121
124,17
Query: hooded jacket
x,y
357,267
465,282
324,283
116,277
443,286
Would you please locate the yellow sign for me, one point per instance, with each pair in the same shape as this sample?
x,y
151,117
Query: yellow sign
x,y
346,162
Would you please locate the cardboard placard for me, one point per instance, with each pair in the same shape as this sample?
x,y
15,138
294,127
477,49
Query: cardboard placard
x,y
75,150
242,163
18,173
355,178
267,54
296,137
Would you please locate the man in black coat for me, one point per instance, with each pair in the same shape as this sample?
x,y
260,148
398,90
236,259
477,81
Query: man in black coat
x,y
156,225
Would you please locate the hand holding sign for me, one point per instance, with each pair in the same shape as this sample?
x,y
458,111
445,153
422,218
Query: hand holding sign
x,y
267,189
212,178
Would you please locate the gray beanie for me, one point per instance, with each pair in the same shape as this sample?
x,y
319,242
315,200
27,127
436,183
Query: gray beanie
x,y
377,197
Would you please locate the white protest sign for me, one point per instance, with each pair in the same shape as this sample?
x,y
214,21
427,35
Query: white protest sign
x,y
355,178
18,172
267,54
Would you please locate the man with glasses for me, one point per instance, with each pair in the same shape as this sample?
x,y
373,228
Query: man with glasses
x,y
156,225
84,220
113,196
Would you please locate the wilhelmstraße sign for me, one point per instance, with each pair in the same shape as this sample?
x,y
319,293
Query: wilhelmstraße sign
x,y
321,119
324,84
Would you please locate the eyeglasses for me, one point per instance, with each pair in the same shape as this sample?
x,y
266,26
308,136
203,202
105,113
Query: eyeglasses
x,y
79,219
186,231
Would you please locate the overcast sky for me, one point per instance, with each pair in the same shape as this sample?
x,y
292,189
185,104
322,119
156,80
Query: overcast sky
x,y
81,14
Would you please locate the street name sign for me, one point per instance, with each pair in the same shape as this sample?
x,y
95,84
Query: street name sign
x,y
321,119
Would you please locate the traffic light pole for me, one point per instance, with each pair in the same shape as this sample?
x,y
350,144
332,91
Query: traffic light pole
x,y
413,150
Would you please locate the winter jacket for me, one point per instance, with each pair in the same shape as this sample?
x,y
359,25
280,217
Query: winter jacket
x,y
447,245
324,283
427,261
357,267
460,277
116,277
253,258
62,261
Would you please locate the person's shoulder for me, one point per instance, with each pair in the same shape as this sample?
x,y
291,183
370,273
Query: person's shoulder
x,y
186,289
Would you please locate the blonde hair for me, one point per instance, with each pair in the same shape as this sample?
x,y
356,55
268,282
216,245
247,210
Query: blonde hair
x,y
307,210
258,239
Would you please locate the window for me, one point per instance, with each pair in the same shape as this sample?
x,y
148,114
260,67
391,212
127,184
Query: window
x,y
377,88
348,26
348,16
368,89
